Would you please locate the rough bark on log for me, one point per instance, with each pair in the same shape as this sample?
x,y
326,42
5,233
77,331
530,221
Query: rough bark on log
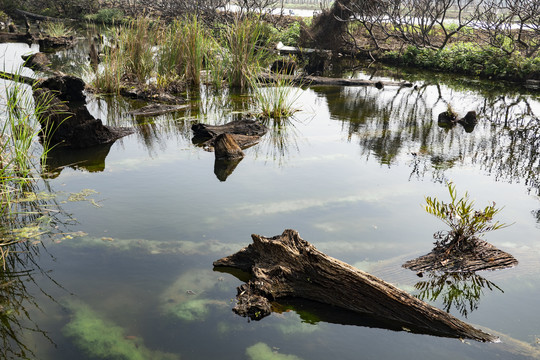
x,y
16,37
320,80
225,147
37,16
156,109
65,120
288,266
245,132
37,61
482,256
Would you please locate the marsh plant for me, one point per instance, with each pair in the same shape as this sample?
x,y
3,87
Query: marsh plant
x,y
246,47
278,100
137,41
184,50
18,155
466,224
57,29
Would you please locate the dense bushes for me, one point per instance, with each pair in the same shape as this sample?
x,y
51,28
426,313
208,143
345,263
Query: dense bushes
x,y
470,59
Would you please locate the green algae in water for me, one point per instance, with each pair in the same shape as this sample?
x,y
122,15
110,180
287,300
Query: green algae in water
x,y
102,339
261,351
184,298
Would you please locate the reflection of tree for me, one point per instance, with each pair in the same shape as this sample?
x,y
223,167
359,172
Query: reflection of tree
x,y
459,290
400,123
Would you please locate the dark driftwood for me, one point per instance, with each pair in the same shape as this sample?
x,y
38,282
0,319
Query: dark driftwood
x,y
37,61
36,16
65,119
156,109
320,80
288,266
245,132
16,37
482,256
226,148
18,78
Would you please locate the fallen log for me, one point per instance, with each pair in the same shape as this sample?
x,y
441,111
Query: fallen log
x,y
245,133
288,266
156,109
33,16
16,37
327,81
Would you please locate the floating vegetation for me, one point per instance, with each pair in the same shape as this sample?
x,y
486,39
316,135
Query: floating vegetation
x,y
102,339
185,297
29,196
83,196
261,351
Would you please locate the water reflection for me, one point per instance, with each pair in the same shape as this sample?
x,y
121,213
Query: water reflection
x,y
281,139
401,123
459,290
89,159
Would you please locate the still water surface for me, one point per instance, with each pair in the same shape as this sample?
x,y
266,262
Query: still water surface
x,y
128,273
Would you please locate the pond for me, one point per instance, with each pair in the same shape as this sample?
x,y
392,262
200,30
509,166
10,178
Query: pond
x,y
127,272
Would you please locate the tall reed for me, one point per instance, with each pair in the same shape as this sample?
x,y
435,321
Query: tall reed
x,y
185,50
108,75
19,130
247,50
137,41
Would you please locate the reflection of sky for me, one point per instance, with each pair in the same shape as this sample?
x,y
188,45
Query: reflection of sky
x,y
331,188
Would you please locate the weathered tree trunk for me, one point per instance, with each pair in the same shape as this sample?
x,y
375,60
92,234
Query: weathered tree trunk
x,y
288,266
64,118
245,132
226,148
320,80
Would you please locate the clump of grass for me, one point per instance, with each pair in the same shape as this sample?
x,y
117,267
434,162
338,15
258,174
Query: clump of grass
x,y
57,29
19,132
278,100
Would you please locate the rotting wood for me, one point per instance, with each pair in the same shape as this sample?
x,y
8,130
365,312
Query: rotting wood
x,y
226,148
288,266
327,81
156,109
245,132
482,256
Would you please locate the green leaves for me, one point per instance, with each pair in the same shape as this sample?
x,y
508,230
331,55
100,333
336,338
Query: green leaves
x,y
464,221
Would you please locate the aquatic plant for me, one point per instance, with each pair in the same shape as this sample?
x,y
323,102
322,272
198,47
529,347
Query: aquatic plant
x,y
108,76
261,351
278,100
137,40
465,223
184,50
57,29
184,298
247,52
19,130
103,339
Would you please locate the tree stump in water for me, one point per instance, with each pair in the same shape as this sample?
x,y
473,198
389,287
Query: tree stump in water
x,y
225,147
480,256
64,118
245,132
288,266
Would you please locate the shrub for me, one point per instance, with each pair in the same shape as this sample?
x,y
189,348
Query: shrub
x,y
465,223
